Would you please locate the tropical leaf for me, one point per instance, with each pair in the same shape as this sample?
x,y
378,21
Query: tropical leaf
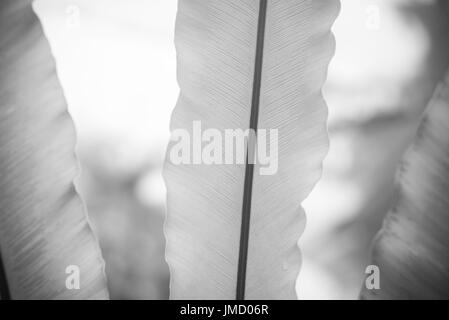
x,y
231,231
44,231
412,248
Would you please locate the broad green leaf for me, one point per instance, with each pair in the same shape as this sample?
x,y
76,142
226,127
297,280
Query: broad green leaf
x,y
45,237
231,231
412,248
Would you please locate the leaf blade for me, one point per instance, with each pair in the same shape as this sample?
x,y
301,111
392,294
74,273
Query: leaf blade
x,y
216,45
43,224
411,249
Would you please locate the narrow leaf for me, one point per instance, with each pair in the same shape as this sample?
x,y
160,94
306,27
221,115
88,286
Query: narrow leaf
x,y
232,231
412,248
45,237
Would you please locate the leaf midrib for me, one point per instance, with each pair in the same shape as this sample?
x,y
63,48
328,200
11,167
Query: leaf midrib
x,y
249,169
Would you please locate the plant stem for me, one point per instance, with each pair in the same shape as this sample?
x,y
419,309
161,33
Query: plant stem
x,y
4,289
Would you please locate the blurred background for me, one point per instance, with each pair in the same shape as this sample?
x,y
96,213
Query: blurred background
x,y
117,64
